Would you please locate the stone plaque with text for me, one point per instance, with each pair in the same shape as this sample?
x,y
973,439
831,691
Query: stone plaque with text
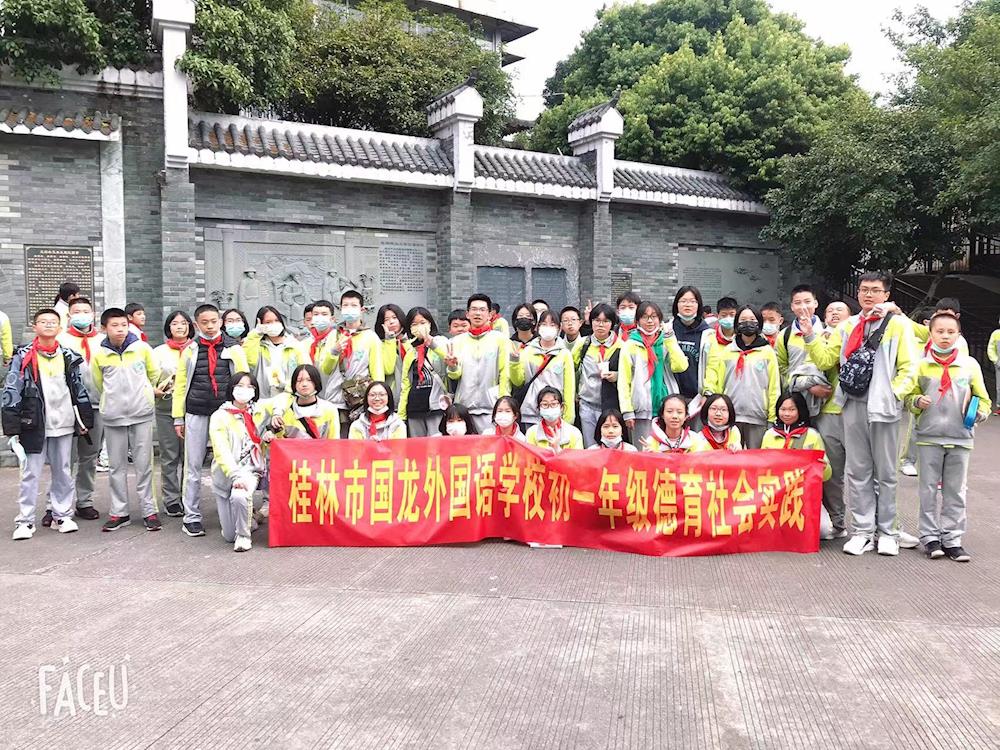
x,y
45,268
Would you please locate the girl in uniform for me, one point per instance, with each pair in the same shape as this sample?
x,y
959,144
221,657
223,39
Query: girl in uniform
x,y
378,420
178,329
611,433
719,431
423,392
553,432
670,433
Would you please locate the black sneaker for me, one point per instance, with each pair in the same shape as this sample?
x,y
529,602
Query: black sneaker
x,y
174,510
88,514
47,519
957,554
116,522
933,549
152,523
194,529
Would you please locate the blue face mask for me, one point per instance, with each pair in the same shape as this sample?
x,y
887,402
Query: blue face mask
x,y
351,315
82,321
939,350
235,329
727,323
687,319
627,316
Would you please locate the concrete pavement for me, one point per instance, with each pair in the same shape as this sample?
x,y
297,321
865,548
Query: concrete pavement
x,y
497,645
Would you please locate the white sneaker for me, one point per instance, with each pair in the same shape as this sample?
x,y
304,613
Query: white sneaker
x,y
66,526
242,544
907,541
265,508
23,531
858,545
888,545
908,469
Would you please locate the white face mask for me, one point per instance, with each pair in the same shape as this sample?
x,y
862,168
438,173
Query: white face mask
x,y
420,330
456,428
320,322
379,410
243,394
548,333
504,419
550,413
612,442
272,329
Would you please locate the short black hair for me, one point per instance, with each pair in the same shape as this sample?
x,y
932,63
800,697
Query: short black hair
x,y
570,308
44,311
314,376
605,415
479,297
308,308
390,401
883,278
512,403
756,314
709,400
235,381
771,307
66,290
246,323
170,319
204,308
539,301
133,307
81,301
323,303
603,308
110,314
495,307
672,397
524,306
457,314
425,314
380,319
944,316
684,290
549,314
726,303
548,391
949,303
627,297
265,309
457,411
801,289
351,294
923,313
800,403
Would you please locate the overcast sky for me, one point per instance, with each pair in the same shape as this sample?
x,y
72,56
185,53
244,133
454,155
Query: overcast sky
x,y
857,23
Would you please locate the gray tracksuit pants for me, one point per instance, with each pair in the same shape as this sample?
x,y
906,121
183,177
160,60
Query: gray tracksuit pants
x,y
235,505
171,459
483,422
57,451
752,434
423,425
950,466
872,455
83,464
831,429
589,415
195,450
140,437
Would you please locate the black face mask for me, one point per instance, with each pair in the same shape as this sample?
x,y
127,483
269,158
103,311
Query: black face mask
x,y
748,328
523,324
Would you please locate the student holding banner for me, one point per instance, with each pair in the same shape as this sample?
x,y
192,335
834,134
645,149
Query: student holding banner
x,y
670,433
506,419
719,431
303,415
553,432
611,433
379,420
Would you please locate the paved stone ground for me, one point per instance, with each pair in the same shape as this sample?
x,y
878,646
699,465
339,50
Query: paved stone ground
x,y
500,646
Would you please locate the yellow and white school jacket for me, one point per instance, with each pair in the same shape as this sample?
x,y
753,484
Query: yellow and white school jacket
x,y
167,361
392,428
423,396
943,422
323,418
895,369
922,334
810,441
76,343
483,370
634,392
272,364
659,442
992,349
392,363
559,373
502,326
567,438
125,380
755,389
589,382
233,450
794,360
365,361
6,338
701,444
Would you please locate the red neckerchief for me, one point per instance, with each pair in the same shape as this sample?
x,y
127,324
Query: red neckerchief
x,y
649,341
626,329
374,421
421,350
710,437
857,337
603,348
927,347
348,351
546,358
742,361
499,431
143,336
213,360
771,339
790,435
481,330
31,356
723,341
402,350
84,340
248,423
672,447
178,346
317,340
552,433
945,375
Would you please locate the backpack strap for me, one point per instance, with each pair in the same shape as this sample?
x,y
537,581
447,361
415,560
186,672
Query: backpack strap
x,y
875,339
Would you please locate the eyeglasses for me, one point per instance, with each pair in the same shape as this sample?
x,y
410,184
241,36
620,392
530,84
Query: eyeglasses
x,y
479,309
871,291
650,316
718,409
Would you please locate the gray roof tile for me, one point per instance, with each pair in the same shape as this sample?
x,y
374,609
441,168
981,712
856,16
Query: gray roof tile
x,y
529,166
678,181
87,122
264,138
593,115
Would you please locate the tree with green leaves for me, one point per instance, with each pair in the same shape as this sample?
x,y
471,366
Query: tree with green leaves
x,y
722,85
865,196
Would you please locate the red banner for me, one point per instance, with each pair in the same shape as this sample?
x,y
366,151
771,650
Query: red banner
x,y
449,489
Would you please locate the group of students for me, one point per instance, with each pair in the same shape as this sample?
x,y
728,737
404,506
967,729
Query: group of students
x,y
611,377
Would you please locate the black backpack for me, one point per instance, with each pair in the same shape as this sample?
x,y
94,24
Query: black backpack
x,y
856,372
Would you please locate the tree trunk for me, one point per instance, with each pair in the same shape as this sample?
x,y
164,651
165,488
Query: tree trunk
x,y
935,283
